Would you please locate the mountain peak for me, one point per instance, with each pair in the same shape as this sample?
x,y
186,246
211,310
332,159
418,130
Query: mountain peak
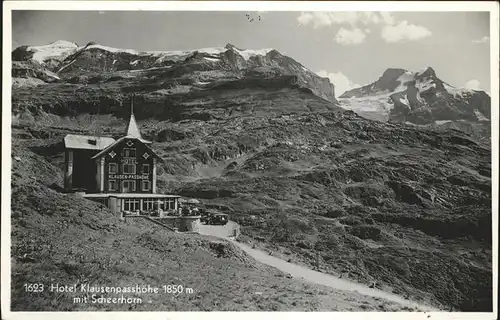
x,y
427,72
231,46
56,50
392,73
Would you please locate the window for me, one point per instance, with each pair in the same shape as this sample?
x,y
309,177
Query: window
x,y
113,185
113,168
146,185
129,152
128,185
129,168
148,204
169,204
145,168
131,204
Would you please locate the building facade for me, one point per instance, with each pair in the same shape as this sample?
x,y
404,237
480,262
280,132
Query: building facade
x,y
120,174
126,166
80,170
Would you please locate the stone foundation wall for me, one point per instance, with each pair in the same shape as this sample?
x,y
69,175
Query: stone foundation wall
x,y
189,224
183,224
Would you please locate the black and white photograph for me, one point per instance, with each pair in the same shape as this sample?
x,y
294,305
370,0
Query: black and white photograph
x,y
171,156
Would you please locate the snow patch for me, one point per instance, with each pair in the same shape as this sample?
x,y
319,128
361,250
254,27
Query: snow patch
x,y
419,98
411,124
134,62
165,55
247,54
403,79
58,49
63,43
460,92
381,104
404,100
114,61
61,49
425,85
480,116
439,122
110,49
212,59
148,69
66,65
211,50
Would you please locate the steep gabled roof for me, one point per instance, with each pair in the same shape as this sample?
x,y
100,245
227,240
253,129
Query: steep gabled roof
x,y
73,141
111,146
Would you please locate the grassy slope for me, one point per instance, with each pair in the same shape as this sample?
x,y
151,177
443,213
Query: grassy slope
x,y
59,238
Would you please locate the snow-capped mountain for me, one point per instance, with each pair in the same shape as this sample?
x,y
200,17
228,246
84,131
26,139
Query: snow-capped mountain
x,y
60,50
57,50
419,97
65,78
68,60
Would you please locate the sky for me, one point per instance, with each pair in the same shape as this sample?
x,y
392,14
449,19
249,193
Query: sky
x,y
350,48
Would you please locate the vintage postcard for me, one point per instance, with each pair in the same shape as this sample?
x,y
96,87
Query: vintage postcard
x,y
163,158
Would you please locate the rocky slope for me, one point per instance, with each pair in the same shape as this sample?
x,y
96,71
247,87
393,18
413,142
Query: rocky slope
x,y
418,97
197,83
398,205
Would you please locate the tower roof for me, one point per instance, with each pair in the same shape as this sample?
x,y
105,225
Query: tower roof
x,y
133,128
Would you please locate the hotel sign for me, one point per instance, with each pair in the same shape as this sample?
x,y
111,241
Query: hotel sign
x,y
129,160
129,176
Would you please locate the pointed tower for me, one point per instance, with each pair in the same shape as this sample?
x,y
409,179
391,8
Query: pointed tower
x,y
133,128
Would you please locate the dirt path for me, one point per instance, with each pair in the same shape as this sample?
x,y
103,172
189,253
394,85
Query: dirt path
x,y
305,273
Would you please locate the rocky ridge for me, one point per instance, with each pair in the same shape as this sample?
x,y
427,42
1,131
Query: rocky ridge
x,y
96,74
